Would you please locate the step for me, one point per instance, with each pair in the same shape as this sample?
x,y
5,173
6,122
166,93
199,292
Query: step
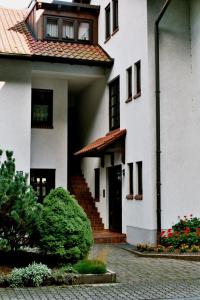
x,y
107,237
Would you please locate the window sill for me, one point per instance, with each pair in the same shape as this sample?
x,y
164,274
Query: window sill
x,y
115,31
137,95
107,39
42,126
130,197
138,197
129,100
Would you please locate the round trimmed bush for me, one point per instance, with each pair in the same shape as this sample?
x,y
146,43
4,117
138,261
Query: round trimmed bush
x,y
64,227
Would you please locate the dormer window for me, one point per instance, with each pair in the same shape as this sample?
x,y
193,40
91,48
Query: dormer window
x,y
68,30
52,28
84,31
64,29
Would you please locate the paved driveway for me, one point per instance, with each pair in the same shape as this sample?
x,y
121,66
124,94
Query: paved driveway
x,y
138,278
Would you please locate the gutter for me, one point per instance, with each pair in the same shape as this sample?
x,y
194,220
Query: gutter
x,y
158,148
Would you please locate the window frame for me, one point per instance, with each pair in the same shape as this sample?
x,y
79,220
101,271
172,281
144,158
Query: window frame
x,y
115,9
97,184
76,22
107,22
116,114
42,124
45,27
139,165
129,76
137,67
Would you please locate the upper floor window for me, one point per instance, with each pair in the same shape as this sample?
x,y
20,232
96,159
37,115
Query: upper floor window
x,y
137,67
52,28
107,22
115,15
129,84
114,103
75,30
42,108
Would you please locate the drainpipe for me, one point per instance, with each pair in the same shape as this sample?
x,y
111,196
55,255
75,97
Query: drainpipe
x,y
158,150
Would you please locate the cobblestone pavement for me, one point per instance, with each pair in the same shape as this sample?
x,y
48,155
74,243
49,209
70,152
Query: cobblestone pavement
x,y
138,278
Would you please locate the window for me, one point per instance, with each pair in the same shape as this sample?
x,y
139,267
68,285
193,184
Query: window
x,y
137,79
115,15
52,28
129,84
42,181
130,166
107,15
84,31
114,104
97,184
68,30
73,30
139,178
42,108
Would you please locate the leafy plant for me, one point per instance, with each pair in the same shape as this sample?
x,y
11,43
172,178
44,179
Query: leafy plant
x,y
64,227
33,275
184,248
90,267
144,247
195,248
19,209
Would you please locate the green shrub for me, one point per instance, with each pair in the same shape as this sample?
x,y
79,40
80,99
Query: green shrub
x,y
195,248
90,267
33,275
64,227
192,223
19,209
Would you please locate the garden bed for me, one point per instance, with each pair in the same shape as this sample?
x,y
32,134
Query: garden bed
x,y
153,254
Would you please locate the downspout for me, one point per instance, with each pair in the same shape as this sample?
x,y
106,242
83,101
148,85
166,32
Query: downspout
x,y
158,149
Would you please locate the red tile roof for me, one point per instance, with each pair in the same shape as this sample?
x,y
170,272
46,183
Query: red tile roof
x,y
102,143
17,40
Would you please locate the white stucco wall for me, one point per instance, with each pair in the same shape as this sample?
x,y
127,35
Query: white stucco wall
x,y
179,70
15,110
126,46
49,146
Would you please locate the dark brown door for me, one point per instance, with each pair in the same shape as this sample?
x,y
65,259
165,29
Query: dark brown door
x,y
42,181
115,199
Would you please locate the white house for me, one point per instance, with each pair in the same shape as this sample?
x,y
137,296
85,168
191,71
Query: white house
x,y
111,87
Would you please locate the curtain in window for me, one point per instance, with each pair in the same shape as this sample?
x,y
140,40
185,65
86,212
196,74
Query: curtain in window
x,y
68,30
52,28
84,31
40,113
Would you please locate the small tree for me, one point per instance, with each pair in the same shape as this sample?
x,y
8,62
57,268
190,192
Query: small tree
x,y
19,209
64,227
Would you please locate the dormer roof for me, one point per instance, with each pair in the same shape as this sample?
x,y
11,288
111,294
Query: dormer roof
x,y
17,41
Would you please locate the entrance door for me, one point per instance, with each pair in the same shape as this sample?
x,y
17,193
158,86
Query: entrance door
x,y
42,181
115,199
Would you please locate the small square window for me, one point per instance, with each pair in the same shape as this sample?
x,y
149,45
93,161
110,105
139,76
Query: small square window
x,y
68,30
51,28
42,108
84,31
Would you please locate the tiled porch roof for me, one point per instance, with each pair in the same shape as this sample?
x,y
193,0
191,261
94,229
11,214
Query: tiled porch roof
x,y
102,143
16,40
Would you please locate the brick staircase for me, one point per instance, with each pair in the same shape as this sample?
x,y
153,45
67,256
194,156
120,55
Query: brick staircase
x,y
78,187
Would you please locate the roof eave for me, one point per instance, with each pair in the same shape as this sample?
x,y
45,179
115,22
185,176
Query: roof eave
x,y
54,59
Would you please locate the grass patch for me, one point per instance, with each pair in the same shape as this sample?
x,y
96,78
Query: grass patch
x,y
92,266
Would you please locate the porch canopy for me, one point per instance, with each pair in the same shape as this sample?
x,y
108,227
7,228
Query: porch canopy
x,y
112,142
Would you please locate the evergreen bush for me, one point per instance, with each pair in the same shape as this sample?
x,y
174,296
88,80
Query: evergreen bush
x,y
19,209
64,227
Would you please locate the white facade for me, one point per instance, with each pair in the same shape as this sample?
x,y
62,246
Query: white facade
x,y
86,90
